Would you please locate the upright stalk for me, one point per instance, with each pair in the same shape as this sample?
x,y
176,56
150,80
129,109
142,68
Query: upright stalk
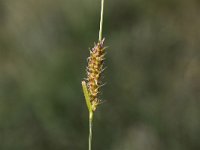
x,y
90,130
94,69
89,106
100,39
101,20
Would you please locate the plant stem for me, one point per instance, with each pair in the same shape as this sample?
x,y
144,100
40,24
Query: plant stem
x,y
86,93
90,130
101,20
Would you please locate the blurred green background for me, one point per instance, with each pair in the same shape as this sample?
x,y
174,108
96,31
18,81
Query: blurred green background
x,y
152,95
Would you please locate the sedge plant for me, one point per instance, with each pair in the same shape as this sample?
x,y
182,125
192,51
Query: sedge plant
x,y
91,85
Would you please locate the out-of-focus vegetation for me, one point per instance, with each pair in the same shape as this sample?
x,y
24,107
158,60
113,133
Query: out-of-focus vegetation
x,y
153,74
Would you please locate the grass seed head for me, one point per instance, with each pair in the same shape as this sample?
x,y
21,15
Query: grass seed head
x,y
94,70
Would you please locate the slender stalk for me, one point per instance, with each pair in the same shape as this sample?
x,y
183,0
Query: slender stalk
x,y
87,99
101,20
97,53
90,111
90,130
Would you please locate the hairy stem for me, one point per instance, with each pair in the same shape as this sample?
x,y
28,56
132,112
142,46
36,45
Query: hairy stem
x,y
101,20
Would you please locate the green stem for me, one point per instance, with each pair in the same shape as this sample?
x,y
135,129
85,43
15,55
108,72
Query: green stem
x,y
90,130
89,105
101,20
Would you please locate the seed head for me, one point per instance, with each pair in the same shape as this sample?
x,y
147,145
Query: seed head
x,y
94,70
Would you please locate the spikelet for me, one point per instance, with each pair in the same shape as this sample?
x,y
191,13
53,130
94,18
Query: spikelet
x,y
94,70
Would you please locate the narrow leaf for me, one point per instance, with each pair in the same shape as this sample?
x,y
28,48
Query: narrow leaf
x,y
87,96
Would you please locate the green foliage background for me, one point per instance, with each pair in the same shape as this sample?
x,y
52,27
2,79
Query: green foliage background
x,y
152,95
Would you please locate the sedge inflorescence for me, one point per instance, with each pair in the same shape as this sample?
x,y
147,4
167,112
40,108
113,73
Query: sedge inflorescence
x,y
94,70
